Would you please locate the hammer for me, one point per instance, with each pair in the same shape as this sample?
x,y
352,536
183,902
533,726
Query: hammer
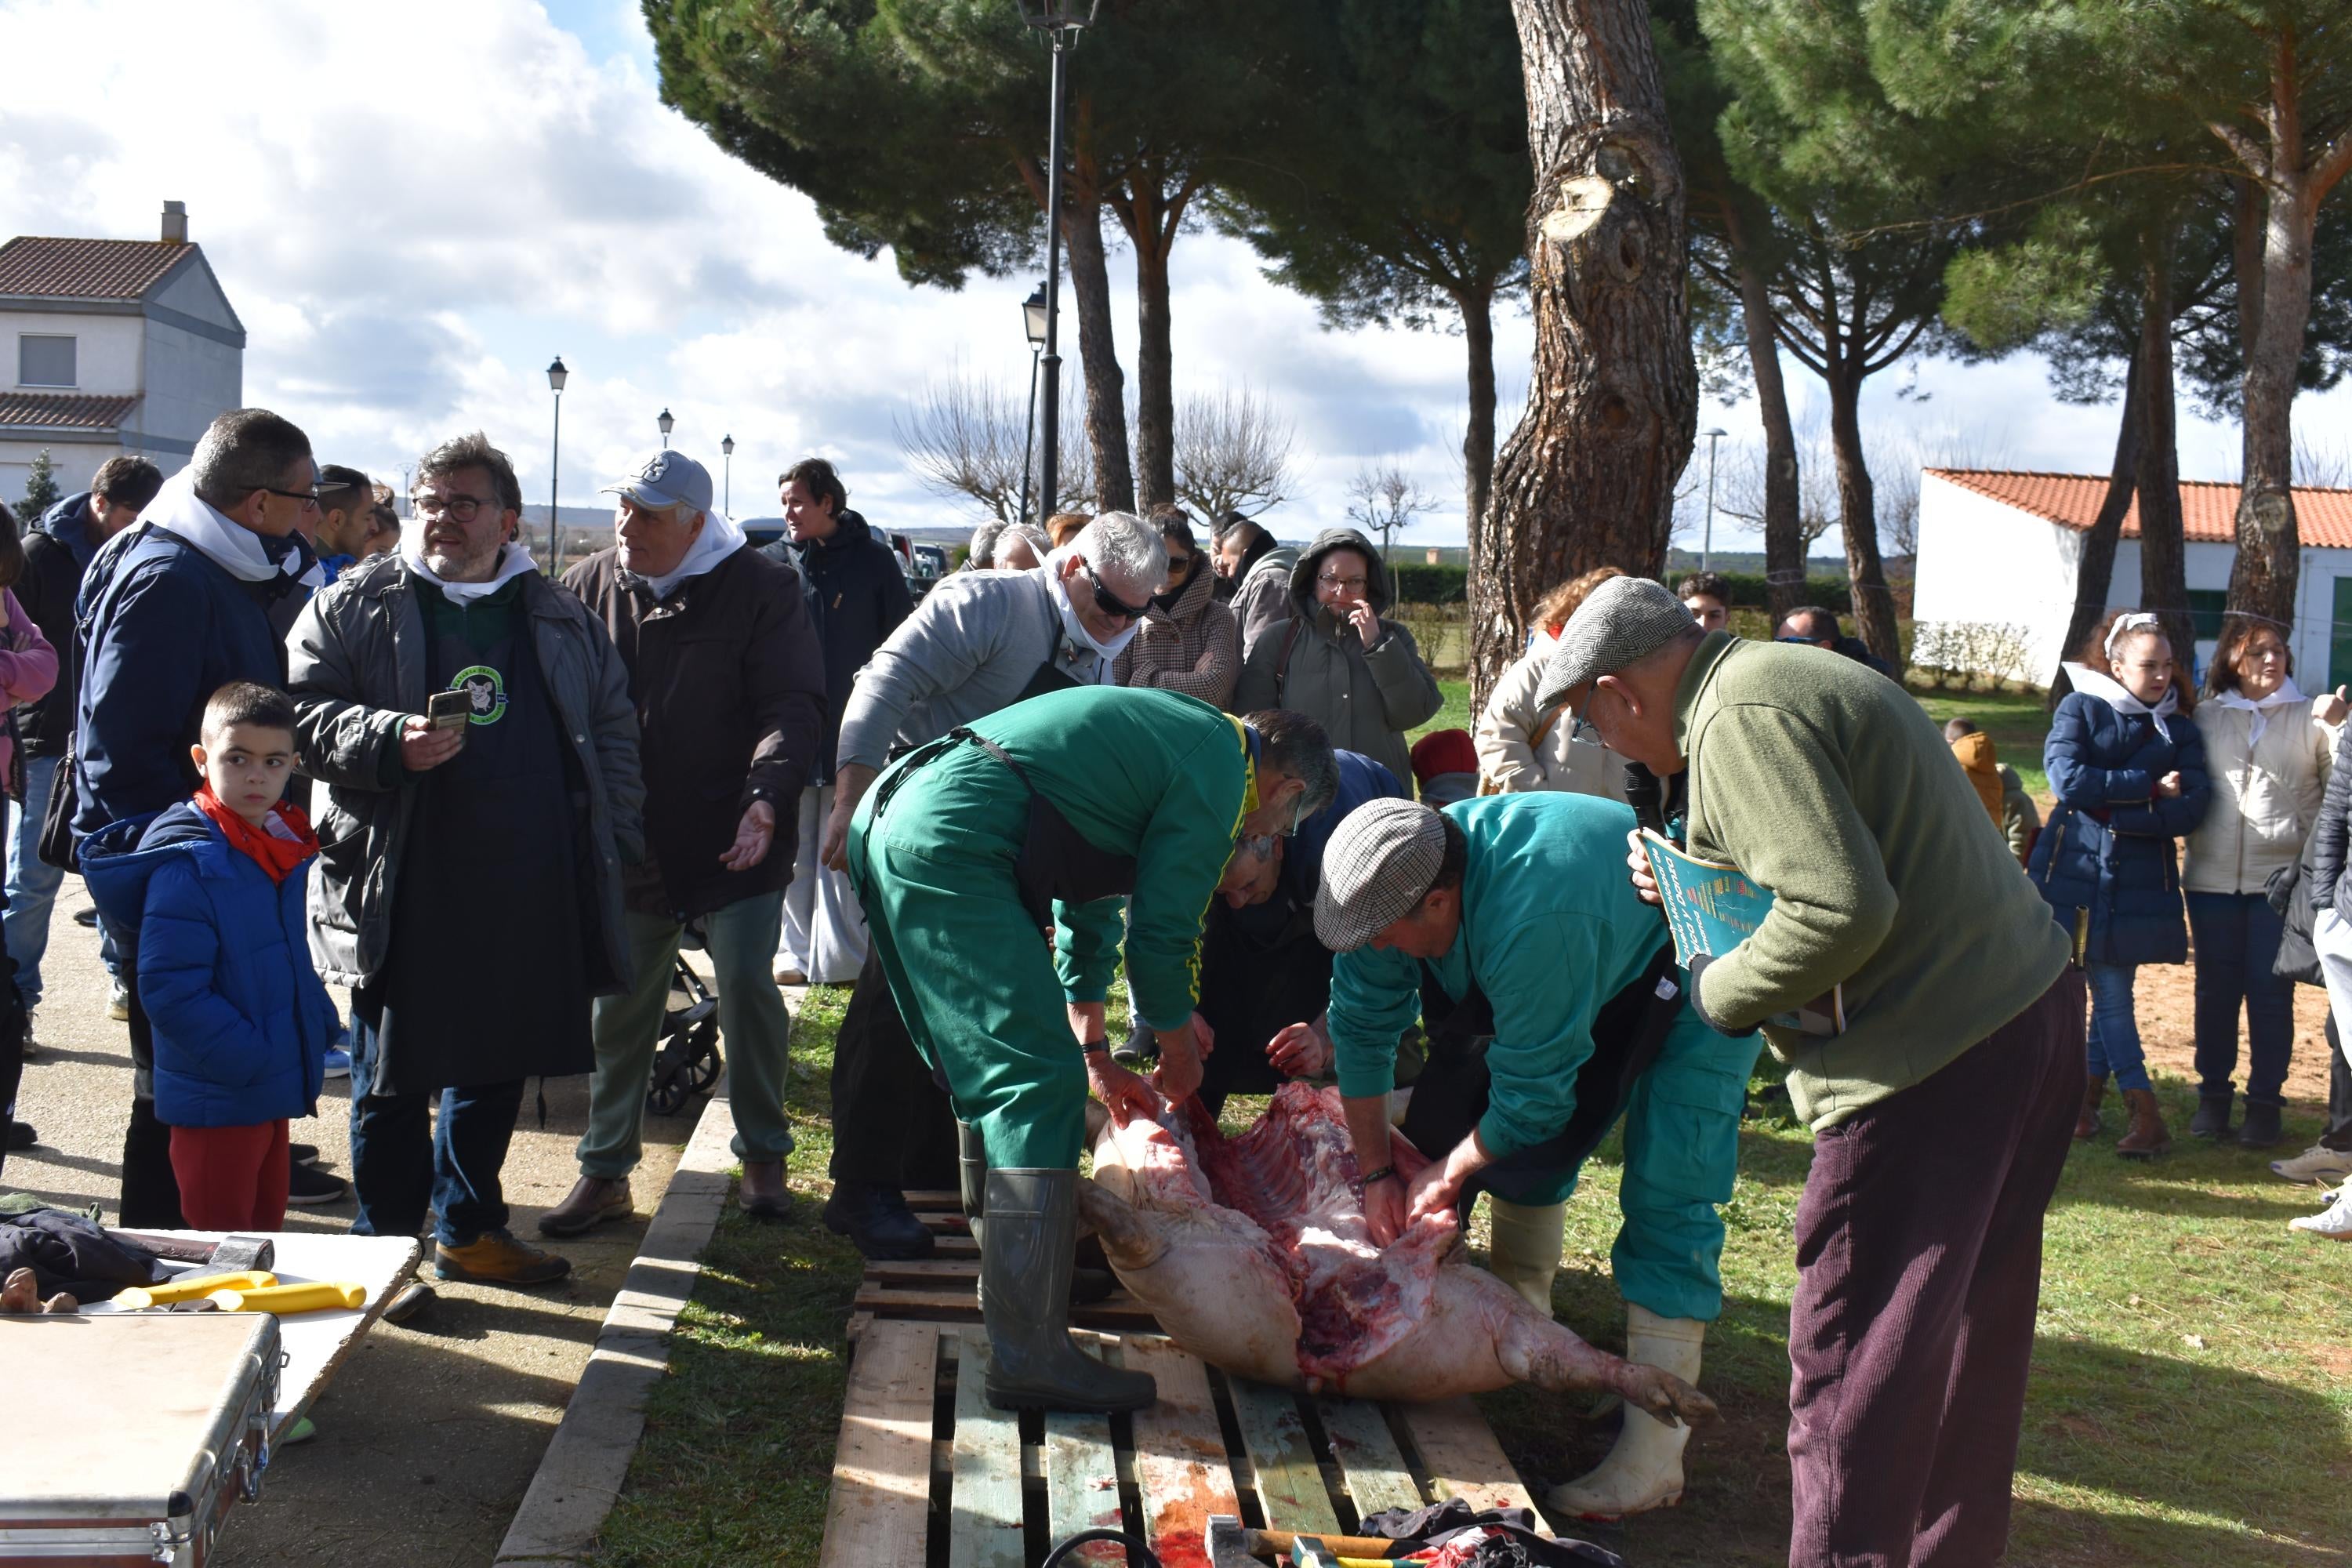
x,y
1231,1545
230,1255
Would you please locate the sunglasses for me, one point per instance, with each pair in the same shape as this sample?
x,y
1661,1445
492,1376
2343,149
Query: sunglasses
x,y
1106,602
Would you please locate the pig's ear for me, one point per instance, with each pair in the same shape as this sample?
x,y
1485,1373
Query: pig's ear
x,y
1129,1237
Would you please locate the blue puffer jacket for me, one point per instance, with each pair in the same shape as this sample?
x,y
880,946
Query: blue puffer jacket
x,y
242,1021
2110,848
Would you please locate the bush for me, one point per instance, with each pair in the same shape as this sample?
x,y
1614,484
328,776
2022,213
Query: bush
x,y
1748,591
1418,583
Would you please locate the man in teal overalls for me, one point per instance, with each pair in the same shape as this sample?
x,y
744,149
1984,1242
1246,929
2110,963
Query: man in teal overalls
x,y
1519,902
1046,812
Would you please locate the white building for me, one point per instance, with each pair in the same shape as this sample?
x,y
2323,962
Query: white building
x,y
1998,553
112,346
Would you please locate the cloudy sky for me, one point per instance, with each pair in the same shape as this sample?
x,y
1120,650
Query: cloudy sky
x,y
414,207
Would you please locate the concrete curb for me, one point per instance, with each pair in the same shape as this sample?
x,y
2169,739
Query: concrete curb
x,y
581,1474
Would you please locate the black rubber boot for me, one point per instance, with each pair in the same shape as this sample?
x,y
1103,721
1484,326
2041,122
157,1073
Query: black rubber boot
x,y
972,1174
2213,1117
2261,1129
1033,1365
877,1221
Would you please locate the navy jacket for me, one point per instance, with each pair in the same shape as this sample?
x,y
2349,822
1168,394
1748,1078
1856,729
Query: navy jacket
x,y
58,551
2110,848
163,629
857,597
242,1021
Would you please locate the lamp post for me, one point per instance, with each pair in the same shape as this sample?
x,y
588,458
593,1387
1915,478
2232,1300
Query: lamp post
x,y
1706,538
1034,316
556,377
727,467
1061,21
666,423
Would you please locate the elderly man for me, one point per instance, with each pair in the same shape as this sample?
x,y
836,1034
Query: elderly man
x,y
1092,812
1942,1108
1008,547
470,886
729,692
170,611
1259,567
1506,907
978,642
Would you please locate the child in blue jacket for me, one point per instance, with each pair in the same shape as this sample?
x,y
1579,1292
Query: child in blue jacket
x,y
2127,765
215,886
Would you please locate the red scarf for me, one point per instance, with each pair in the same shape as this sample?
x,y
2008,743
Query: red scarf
x,y
277,856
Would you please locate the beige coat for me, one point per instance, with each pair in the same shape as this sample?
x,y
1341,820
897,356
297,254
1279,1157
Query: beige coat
x,y
1521,748
2265,794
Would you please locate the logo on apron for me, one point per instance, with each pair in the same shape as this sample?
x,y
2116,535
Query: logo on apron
x,y
485,689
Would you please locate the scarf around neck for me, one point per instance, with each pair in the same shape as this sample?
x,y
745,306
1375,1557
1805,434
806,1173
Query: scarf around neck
x,y
514,560
1074,630
236,550
2287,695
279,850
2106,688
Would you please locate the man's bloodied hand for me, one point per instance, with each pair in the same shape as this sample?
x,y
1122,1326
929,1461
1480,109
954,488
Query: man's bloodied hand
x,y
1125,1095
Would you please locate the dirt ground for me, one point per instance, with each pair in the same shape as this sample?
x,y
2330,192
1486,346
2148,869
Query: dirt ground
x,y
2166,997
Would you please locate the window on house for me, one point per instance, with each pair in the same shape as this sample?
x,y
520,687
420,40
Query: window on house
x,y
45,361
2205,608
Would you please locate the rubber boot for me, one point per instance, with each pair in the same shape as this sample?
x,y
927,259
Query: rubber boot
x,y
1644,1470
1523,1248
1032,1364
2088,1125
2146,1137
972,1174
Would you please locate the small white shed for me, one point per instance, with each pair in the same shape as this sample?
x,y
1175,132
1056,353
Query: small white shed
x,y
1999,550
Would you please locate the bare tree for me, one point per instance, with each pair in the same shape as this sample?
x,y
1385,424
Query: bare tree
x,y
966,437
2322,462
1233,454
1384,500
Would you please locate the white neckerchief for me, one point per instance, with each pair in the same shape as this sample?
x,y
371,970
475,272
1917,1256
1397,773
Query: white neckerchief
x,y
2287,693
2109,690
1074,629
236,550
721,537
514,560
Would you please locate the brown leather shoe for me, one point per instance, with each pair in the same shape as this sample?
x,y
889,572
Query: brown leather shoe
x,y
495,1257
2146,1137
762,1195
591,1201
2088,1125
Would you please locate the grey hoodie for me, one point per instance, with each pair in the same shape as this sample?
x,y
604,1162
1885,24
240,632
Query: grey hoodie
x,y
1263,597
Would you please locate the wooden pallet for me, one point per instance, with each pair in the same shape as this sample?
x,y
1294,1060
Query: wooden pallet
x,y
945,1286
926,1475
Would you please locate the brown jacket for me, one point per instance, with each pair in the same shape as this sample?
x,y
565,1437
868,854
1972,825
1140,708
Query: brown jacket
x,y
1980,761
729,685
1194,648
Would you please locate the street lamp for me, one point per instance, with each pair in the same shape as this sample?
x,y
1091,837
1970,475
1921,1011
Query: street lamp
x,y
1034,317
556,377
727,451
667,424
1706,539
1061,21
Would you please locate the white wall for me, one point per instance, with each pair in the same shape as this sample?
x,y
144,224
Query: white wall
x,y
191,382
106,355
1980,561
74,461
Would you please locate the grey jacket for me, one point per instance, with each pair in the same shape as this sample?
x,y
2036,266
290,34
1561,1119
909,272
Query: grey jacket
x,y
1263,599
972,646
355,668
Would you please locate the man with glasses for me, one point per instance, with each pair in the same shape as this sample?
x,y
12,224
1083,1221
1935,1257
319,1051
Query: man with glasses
x,y
470,874
978,642
1818,628
1338,660
175,608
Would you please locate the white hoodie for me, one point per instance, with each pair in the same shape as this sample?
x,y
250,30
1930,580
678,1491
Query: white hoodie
x,y
236,550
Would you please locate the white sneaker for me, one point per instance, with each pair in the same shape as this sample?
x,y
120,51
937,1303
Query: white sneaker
x,y
2334,1222
2317,1165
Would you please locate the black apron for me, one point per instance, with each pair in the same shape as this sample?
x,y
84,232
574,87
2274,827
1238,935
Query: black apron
x,y
486,978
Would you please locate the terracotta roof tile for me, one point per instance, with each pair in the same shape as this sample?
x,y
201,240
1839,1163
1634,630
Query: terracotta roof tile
x,y
66,411
87,268
2208,509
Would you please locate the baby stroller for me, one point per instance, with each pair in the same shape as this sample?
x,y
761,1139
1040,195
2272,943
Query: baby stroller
x,y
688,1063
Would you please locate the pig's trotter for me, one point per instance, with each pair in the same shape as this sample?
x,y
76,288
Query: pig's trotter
x,y
1129,1239
1663,1395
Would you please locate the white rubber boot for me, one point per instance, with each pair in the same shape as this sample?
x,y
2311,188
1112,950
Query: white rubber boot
x,y
1644,1470
1523,1248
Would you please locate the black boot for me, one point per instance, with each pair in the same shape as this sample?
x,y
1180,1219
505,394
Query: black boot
x,y
877,1221
2213,1117
2260,1129
972,1174
1033,1365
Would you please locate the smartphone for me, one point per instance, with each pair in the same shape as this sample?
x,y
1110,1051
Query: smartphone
x,y
448,710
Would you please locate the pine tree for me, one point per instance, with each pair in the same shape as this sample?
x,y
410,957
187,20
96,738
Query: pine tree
x,y
41,490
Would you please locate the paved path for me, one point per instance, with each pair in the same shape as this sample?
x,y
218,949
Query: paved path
x,y
428,1437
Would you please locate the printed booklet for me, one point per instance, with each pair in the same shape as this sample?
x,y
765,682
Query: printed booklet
x,y
1711,909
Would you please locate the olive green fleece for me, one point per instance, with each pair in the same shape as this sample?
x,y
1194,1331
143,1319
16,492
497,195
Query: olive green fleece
x,y
1829,786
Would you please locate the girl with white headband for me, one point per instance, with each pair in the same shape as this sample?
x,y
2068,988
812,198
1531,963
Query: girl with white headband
x,y
2128,763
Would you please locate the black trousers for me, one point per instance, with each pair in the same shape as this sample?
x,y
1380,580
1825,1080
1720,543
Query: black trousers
x,y
2339,1135
151,1191
1250,991
892,1125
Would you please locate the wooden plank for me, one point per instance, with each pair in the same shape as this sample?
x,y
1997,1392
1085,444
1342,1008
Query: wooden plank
x,y
1369,1461
925,1273
934,1198
1180,1456
1289,1482
1460,1456
960,1246
984,1495
1119,1314
882,1463
1082,1483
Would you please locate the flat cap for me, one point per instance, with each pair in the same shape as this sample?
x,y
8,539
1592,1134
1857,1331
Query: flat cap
x,y
1381,860
1622,622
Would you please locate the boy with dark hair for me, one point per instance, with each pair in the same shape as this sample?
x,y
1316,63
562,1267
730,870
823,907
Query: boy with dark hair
x,y
214,887
1708,599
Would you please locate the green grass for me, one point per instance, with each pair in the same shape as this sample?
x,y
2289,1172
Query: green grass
x,y
2018,722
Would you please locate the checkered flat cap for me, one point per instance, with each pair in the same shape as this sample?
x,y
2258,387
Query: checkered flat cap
x,y
1622,622
1380,862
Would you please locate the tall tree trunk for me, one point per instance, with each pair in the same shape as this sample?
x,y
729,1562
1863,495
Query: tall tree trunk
x,y
1150,213
2095,572
1477,303
1097,350
2163,560
1784,535
2262,580
1587,477
1874,603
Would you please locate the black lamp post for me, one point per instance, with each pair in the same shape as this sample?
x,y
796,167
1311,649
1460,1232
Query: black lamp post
x,y
1033,313
667,424
727,467
1061,21
556,377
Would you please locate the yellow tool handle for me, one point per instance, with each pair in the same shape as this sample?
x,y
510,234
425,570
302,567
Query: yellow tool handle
x,y
284,1299
189,1287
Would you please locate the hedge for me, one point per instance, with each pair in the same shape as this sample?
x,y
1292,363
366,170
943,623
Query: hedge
x,y
1418,583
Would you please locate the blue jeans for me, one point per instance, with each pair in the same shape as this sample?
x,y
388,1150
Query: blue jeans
x,y
2114,1043
33,885
398,1167
2237,939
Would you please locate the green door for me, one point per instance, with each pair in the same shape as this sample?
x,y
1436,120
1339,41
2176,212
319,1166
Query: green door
x,y
2339,637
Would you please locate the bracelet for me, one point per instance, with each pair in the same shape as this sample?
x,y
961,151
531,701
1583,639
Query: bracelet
x,y
1091,1048
1386,1172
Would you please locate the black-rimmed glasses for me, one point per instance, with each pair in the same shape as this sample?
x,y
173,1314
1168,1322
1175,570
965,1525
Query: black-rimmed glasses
x,y
1108,604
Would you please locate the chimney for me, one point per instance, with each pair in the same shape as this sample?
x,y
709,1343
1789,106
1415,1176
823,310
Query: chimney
x,y
175,223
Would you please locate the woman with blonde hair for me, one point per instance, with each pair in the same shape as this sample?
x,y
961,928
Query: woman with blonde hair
x,y
1521,747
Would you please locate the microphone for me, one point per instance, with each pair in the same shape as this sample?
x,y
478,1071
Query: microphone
x,y
1646,793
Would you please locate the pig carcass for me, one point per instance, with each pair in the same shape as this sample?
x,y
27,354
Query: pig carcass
x,y
1255,1255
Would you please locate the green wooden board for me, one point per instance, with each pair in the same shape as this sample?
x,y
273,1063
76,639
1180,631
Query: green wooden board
x,y
985,1496
1289,1482
1369,1459
1081,1483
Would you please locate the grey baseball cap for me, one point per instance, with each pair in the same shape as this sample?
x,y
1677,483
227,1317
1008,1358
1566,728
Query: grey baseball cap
x,y
1622,622
1381,860
665,479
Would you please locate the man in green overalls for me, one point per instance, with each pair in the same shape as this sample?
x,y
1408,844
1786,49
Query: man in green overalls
x,y
1046,814
1514,902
